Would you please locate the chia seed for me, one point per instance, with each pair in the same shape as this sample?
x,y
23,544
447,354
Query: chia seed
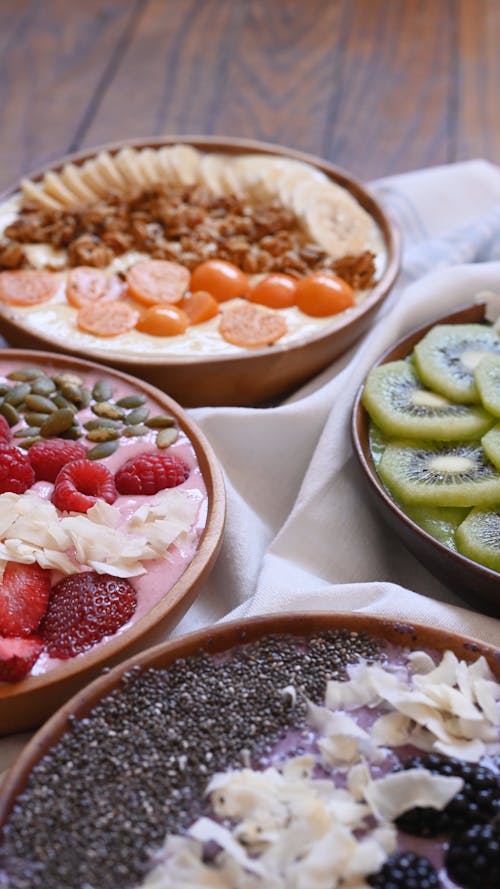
x,y
96,807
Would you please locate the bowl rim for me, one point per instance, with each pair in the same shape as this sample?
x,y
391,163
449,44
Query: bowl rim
x,y
359,417
222,637
384,220
182,593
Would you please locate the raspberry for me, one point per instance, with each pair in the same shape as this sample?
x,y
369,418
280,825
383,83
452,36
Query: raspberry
x,y
16,473
477,802
83,608
17,657
24,596
48,457
82,483
150,473
5,433
473,857
405,870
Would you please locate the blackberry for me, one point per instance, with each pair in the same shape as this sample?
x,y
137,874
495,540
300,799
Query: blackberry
x,y
405,870
477,803
473,857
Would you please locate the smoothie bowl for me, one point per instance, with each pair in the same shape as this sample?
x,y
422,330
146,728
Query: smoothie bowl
x,y
426,432
312,750
233,269
111,515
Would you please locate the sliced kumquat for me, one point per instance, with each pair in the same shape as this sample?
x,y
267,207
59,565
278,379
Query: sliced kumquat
x,y
154,281
323,294
27,287
167,320
220,278
107,318
200,306
86,284
275,291
251,326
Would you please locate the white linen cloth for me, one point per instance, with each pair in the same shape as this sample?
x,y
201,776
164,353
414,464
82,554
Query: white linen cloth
x,y
300,532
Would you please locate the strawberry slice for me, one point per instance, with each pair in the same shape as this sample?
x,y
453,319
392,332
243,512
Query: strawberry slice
x,y
17,657
24,596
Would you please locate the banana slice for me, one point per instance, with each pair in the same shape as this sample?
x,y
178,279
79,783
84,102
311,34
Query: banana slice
x,y
148,161
92,177
34,192
336,221
129,166
72,178
185,162
107,168
55,188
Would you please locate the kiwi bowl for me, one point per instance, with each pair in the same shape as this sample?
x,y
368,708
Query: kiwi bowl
x,y
429,531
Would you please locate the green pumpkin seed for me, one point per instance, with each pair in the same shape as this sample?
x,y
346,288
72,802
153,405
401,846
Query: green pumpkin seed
x,y
35,418
57,422
10,413
73,433
40,403
106,409
86,397
25,374
27,432
138,415
67,379
102,423
102,450
130,401
133,431
72,393
166,437
27,442
103,434
102,390
160,421
43,386
61,401
4,388
17,393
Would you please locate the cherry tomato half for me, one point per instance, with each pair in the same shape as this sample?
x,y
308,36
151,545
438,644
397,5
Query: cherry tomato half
x,y
220,278
323,294
275,291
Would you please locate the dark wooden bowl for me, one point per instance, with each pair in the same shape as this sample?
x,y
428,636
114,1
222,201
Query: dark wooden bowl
x,y
258,374
477,585
222,638
28,703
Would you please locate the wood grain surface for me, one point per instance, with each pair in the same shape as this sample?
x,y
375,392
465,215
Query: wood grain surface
x,y
376,86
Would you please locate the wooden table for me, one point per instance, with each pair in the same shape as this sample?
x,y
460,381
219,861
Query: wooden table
x,y
377,86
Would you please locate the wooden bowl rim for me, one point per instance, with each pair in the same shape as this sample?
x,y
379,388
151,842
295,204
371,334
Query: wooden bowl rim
x,y
222,637
388,228
206,552
359,436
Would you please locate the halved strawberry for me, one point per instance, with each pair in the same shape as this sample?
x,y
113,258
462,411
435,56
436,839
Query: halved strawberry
x,y
24,596
17,657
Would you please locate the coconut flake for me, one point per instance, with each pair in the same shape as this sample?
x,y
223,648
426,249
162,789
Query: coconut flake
x,y
390,796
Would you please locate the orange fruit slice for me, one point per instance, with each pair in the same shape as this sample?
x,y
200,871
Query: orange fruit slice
x,y
86,284
222,279
322,294
251,326
275,291
157,281
107,318
167,320
199,306
27,287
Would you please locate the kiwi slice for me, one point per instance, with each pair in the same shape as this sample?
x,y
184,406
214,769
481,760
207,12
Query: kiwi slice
x,y
478,538
437,474
401,406
491,445
487,378
440,522
447,355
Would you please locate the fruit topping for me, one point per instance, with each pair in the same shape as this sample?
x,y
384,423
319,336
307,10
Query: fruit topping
x,y
17,657
24,594
163,320
478,537
107,318
150,473
83,609
448,354
491,445
86,284
82,483
27,287
199,306
5,433
251,326
16,472
222,279
157,281
48,457
400,404
405,870
487,379
477,802
275,292
473,857
323,294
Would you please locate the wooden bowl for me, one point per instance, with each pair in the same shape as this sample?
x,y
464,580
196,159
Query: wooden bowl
x,y
476,584
220,639
28,703
258,374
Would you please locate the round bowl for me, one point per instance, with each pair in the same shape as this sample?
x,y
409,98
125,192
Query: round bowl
x,y
215,641
26,704
259,374
475,584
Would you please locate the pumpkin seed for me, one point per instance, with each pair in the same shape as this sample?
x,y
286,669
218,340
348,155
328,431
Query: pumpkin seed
x,y
17,393
10,413
133,431
57,422
43,386
41,404
72,393
4,388
61,401
166,437
102,390
160,421
73,433
27,432
138,415
102,423
27,442
101,450
106,409
35,418
132,400
67,379
25,374
103,434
